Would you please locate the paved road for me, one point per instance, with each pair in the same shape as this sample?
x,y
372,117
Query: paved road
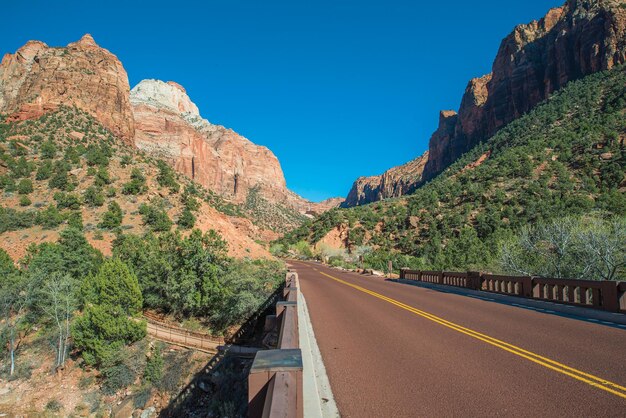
x,y
395,350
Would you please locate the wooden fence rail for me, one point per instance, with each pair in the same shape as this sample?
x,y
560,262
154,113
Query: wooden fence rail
x,y
597,294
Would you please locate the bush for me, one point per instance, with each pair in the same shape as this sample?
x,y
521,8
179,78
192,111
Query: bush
x,y
154,366
54,405
48,150
186,219
112,218
49,218
93,196
68,201
155,217
60,178
137,183
167,177
102,177
25,186
12,220
98,155
25,201
44,171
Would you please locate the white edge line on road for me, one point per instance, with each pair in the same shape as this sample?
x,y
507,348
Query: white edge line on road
x,y
318,396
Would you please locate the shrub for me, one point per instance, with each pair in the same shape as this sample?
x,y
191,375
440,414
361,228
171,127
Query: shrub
x,y
25,186
25,201
75,220
60,178
93,197
102,177
167,177
112,218
54,405
155,217
137,183
186,219
98,155
68,200
49,218
44,171
48,150
154,366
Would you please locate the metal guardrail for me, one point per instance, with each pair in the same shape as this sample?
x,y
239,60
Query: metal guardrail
x,y
597,294
275,379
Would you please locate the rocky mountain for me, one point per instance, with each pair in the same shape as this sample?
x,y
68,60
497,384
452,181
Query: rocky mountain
x,y
37,79
169,126
395,182
156,117
577,39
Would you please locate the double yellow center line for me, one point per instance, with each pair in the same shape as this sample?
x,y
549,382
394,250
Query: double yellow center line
x,y
579,375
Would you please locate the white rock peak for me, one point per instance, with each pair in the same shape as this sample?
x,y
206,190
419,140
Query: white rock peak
x,y
170,95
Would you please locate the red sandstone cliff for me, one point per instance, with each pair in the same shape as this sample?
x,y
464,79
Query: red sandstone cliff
x,y
37,79
572,41
169,126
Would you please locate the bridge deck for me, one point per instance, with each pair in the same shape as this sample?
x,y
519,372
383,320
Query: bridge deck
x,y
397,350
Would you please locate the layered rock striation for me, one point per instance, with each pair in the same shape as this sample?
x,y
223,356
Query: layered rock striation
x,y
37,79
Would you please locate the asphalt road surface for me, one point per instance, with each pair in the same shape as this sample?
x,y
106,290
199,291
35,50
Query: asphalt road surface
x,y
396,350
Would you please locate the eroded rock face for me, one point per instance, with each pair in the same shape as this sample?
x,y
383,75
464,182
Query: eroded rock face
x,y
394,182
570,42
169,126
534,60
38,79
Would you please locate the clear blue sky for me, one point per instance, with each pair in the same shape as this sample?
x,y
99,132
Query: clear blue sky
x,y
335,88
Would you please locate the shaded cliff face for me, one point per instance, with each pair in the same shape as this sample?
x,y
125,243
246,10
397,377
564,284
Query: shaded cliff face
x,y
394,182
38,79
534,60
169,126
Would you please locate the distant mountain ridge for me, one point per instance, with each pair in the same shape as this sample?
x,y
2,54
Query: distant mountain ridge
x,y
577,39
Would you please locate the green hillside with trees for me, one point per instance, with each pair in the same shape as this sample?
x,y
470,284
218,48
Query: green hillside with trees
x,y
559,167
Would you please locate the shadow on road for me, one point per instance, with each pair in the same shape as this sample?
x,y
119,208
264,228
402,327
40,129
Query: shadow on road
x,y
220,389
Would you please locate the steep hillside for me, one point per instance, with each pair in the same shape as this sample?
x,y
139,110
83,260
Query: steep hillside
x,y
565,157
577,39
66,168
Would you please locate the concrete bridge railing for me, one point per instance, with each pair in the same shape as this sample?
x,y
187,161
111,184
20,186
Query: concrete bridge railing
x,y
275,379
597,294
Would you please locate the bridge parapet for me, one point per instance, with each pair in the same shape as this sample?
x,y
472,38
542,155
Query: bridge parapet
x,y
275,379
605,295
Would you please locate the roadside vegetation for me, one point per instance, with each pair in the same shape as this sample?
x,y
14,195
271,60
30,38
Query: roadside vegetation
x,y
74,311
563,160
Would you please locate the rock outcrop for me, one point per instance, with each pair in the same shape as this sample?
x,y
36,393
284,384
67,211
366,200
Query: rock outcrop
x,y
168,125
570,42
577,39
394,182
38,79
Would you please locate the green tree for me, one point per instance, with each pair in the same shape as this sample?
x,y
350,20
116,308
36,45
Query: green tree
x,y
112,218
112,301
